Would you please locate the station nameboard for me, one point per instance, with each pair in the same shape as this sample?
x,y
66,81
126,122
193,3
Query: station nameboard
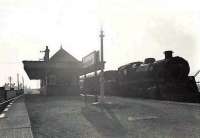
x,y
91,59
91,62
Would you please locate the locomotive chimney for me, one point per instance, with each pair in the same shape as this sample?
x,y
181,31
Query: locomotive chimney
x,y
168,54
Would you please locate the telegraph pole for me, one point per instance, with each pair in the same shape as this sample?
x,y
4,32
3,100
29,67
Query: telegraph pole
x,y
102,69
18,81
23,82
10,80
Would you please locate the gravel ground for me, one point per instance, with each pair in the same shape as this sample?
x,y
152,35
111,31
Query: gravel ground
x,y
70,117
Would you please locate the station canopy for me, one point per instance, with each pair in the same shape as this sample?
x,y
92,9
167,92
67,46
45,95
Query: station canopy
x,y
61,60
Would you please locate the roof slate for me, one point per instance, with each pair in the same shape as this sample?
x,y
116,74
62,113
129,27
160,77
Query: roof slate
x,y
63,56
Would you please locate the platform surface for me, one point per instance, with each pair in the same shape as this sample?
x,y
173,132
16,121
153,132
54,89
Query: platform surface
x,y
16,123
70,117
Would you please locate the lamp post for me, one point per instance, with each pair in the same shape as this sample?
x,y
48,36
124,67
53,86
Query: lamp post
x,y
102,69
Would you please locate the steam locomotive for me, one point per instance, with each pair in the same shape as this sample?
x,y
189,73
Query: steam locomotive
x,y
165,79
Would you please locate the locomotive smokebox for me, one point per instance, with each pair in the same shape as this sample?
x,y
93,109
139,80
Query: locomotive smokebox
x,y
168,54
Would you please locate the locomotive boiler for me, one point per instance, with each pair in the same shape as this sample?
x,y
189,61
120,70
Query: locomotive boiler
x,y
163,79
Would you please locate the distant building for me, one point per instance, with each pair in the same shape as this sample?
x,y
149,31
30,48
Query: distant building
x,y
59,75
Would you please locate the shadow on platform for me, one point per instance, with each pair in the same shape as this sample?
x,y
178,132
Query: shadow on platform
x,y
104,120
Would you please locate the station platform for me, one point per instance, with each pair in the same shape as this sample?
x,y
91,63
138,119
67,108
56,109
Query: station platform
x,y
14,120
74,117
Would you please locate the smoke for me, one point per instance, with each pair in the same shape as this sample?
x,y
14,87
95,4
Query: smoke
x,y
173,34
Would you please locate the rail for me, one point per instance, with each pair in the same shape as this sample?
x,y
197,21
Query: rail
x,y
10,100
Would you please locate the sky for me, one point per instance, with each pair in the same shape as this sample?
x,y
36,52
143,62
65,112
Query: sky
x,y
134,30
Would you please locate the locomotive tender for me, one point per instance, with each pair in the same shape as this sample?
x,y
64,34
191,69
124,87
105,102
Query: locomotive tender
x,y
165,79
90,84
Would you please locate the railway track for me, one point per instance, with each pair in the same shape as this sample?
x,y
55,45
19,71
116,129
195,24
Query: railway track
x,y
5,103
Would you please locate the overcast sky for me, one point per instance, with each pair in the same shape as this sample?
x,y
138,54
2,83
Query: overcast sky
x,y
134,30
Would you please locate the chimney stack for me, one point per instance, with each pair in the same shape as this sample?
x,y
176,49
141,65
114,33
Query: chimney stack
x,y
168,54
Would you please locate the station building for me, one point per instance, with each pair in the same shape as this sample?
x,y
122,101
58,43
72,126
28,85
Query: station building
x,y
58,75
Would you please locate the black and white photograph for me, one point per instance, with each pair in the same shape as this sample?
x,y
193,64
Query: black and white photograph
x,y
99,69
